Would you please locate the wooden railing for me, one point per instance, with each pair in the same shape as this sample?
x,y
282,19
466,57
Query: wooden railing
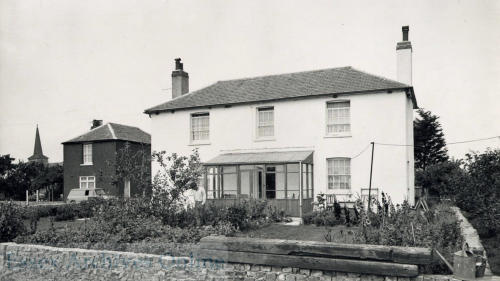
x,y
355,258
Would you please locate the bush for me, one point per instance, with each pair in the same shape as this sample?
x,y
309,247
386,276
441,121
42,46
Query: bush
x,y
11,222
67,212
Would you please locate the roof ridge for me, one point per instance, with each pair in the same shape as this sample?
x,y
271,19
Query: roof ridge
x,y
111,130
81,135
282,74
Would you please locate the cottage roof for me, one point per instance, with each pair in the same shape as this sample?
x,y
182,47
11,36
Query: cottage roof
x,y
283,86
113,131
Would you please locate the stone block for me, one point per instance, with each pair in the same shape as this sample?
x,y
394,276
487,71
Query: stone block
x,y
265,268
271,276
281,277
317,273
305,272
255,268
286,269
290,277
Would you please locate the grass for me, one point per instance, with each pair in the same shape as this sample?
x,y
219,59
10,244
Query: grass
x,y
340,233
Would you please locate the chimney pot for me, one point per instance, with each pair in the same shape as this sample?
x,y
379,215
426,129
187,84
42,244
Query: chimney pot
x,y
406,29
178,64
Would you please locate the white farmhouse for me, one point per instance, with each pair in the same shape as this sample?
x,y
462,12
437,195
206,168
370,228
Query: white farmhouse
x,y
287,138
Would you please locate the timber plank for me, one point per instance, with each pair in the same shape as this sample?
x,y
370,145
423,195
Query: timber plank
x,y
402,255
318,263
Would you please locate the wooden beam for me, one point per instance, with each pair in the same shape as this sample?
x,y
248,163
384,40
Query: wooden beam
x,y
319,263
403,255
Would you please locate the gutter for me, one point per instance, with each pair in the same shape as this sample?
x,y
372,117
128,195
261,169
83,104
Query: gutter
x,y
409,90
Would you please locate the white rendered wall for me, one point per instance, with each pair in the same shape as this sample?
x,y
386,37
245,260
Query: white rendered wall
x,y
301,125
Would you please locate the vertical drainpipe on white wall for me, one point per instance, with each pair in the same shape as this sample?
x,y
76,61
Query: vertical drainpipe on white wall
x,y
404,75
300,190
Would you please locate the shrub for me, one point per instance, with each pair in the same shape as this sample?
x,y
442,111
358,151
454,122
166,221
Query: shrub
x,y
66,212
11,222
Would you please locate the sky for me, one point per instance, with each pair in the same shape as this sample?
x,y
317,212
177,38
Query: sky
x,y
66,62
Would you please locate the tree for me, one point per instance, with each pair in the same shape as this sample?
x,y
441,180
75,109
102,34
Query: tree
x,y
133,164
176,175
430,146
15,179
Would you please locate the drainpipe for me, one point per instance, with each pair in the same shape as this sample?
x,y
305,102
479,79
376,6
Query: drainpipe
x,y
300,189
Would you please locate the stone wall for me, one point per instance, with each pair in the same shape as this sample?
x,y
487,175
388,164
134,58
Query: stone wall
x,y
471,236
34,262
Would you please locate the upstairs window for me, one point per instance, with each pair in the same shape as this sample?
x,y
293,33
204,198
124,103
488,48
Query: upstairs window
x,y
87,154
265,122
339,173
338,117
200,127
87,182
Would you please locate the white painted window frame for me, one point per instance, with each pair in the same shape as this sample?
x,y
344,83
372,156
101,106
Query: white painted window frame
x,y
85,180
193,118
330,172
264,124
87,154
336,121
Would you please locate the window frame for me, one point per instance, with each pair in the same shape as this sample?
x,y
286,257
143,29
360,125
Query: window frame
x,y
345,190
86,152
258,125
333,123
191,128
86,180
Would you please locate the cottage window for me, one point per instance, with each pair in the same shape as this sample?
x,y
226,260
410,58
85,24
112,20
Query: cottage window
x,y
339,173
87,182
265,122
338,117
200,126
87,154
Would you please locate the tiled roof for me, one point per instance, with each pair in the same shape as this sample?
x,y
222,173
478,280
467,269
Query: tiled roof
x,y
283,86
113,131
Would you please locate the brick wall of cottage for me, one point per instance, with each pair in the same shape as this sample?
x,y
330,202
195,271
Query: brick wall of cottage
x,y
103,165
34,262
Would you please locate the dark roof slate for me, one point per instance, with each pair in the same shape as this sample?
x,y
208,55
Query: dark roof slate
x,y
113,131
282,86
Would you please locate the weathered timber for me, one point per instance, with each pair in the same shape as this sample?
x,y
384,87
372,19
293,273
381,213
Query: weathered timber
x,y
404,255
318,263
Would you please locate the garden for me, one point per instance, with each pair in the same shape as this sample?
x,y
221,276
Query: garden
x,y
163,224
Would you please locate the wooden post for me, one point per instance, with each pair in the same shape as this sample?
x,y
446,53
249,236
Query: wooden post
x,y
370,185
300,189
37,196
27,197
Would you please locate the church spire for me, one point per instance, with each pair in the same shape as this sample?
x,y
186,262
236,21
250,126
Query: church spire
x,y
37,152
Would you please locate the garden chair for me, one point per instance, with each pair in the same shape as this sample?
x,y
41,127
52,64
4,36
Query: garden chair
x,y
330,199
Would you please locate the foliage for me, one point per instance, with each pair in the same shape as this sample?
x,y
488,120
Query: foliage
x,y
442,179
430,146
133,164
473,184
15,179
11,223
176,175
481,195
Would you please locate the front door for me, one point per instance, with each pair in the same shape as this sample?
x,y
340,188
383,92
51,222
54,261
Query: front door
x,y
126,189
270,184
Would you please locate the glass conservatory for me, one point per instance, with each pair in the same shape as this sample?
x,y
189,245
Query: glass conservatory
x,y
284,179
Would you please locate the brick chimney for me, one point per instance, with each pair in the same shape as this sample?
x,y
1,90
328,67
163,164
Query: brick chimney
x,y
180,80
96,123
404,54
